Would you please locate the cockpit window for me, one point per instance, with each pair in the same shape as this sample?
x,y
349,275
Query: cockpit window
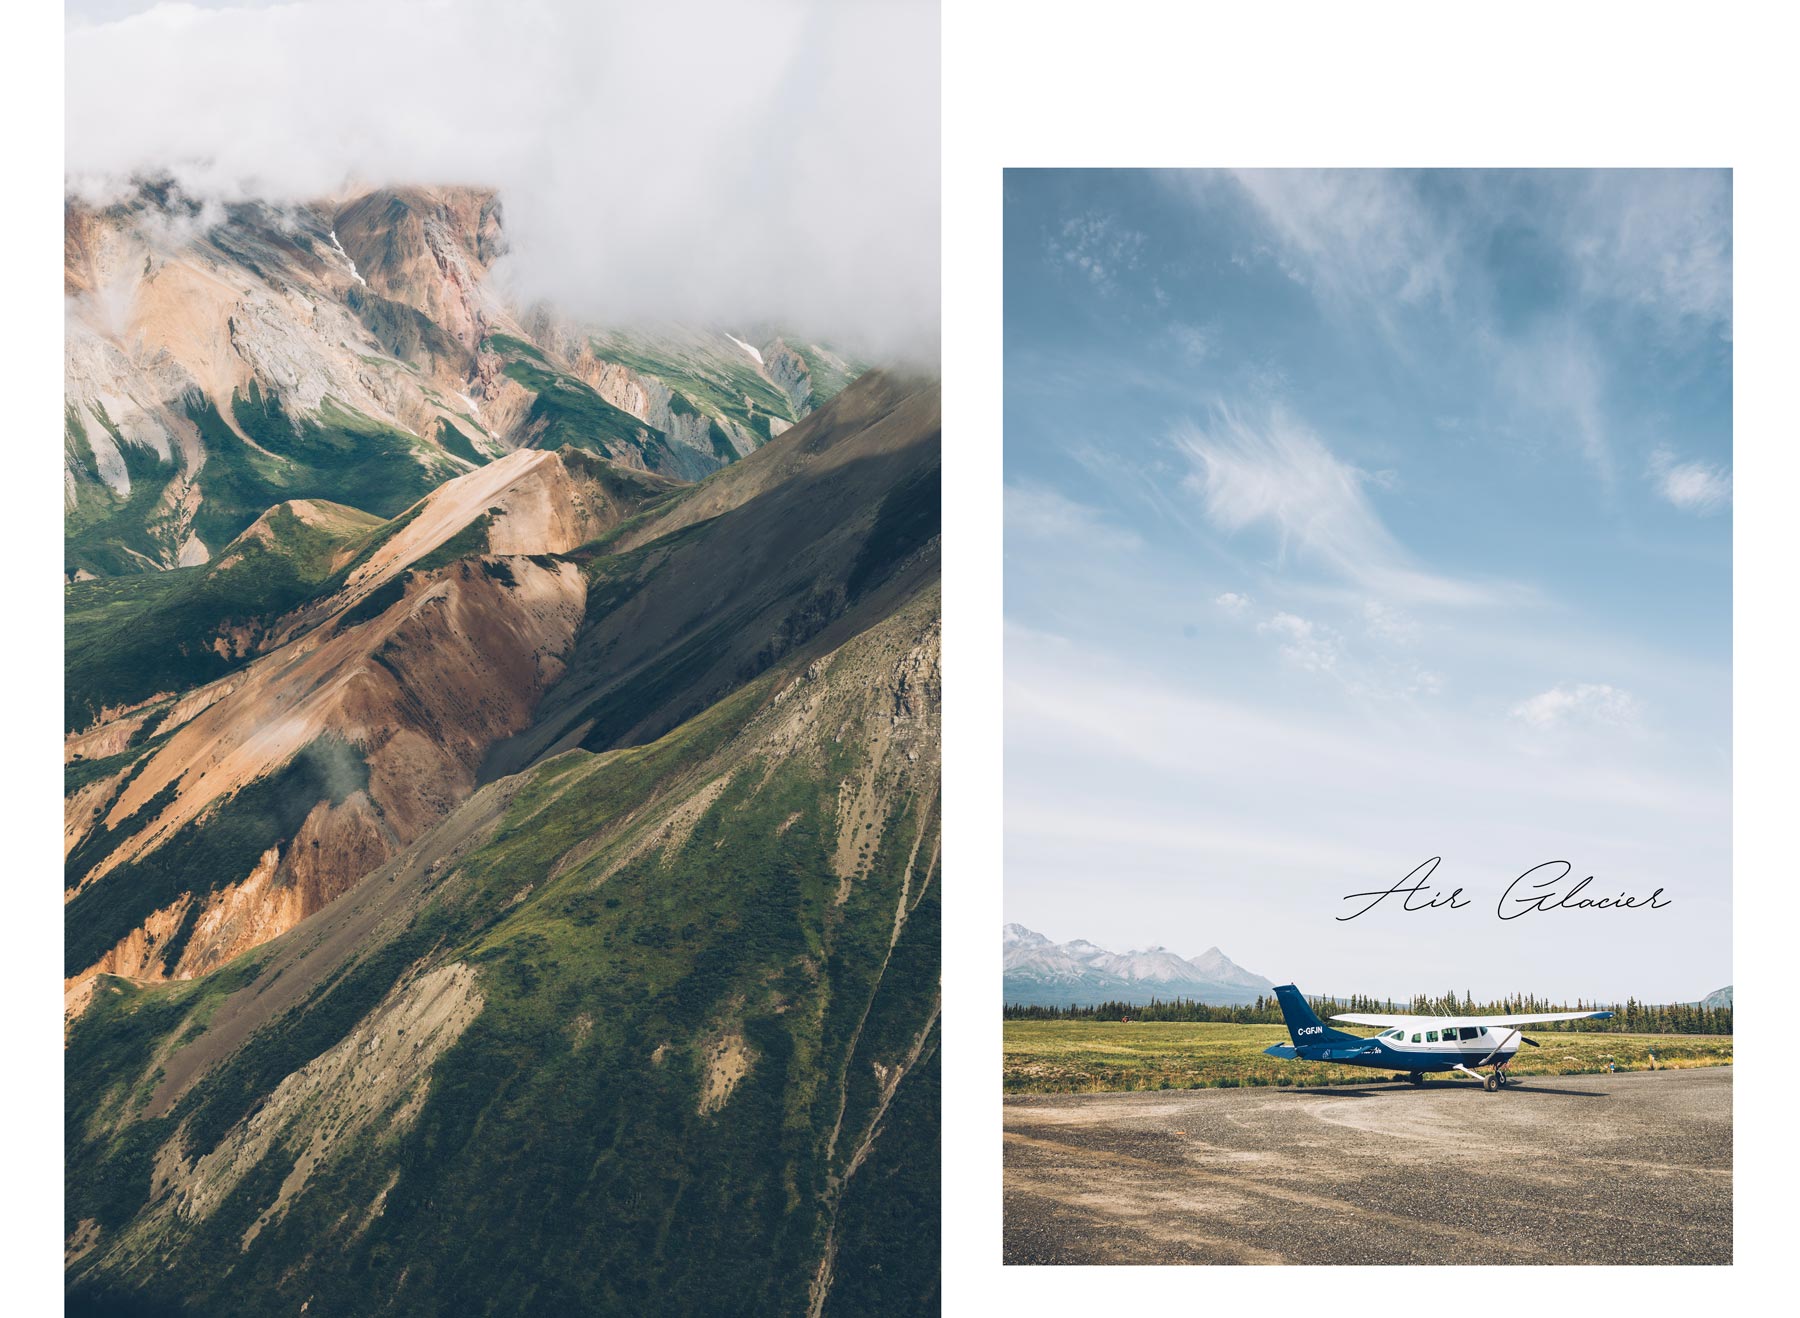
x,y
1470,1032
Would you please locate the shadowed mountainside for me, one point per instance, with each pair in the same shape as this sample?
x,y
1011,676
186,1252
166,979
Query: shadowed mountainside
x,y
531,894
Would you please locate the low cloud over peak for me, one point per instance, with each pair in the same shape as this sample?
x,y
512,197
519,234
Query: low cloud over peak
x,y
775,163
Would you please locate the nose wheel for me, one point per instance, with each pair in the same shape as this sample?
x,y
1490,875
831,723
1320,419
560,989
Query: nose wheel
x,y
1488,1082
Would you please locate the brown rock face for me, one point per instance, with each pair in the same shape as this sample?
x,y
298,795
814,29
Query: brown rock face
x,y
422,691
430,249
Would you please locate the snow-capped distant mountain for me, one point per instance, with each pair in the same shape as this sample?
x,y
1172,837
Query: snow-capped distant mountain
x,y
1043,973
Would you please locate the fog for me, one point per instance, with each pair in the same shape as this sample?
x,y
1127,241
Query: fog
x,y
729,164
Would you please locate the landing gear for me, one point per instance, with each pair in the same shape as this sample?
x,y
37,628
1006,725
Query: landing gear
x,y
1488,1082
1417,1077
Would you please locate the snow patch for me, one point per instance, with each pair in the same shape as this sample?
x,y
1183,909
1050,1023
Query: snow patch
x,y
754,354
347,261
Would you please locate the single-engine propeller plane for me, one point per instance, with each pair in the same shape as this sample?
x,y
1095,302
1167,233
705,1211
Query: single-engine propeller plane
x,y
1413,1044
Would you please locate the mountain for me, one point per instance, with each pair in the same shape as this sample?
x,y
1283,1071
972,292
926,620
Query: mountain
x,y
222,359
1717,998
1039,972
517,879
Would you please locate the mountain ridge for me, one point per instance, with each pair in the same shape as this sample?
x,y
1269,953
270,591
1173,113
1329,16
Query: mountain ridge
x,y
1040,972
220,358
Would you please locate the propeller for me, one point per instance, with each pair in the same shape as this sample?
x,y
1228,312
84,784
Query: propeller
x,y
1533,1042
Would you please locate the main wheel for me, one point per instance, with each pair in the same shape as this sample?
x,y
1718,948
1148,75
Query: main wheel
x,y
1416,1077
1491,1083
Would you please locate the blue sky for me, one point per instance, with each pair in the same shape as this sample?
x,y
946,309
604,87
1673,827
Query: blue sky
x,y
1355,518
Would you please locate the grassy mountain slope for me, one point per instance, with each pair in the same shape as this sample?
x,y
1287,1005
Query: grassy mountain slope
x,y
698,995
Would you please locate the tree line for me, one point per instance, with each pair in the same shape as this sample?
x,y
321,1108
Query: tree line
x,y
1629,1017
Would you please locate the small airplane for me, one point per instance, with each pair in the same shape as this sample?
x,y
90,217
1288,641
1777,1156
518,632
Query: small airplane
x,y
1413,1044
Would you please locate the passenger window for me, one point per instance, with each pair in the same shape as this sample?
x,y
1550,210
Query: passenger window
x,y
1431,1036
1415,1038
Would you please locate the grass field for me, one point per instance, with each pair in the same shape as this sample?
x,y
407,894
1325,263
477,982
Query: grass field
x,y
1063,1057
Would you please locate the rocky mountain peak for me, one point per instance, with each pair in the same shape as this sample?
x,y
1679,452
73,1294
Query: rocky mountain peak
x,y
1082,972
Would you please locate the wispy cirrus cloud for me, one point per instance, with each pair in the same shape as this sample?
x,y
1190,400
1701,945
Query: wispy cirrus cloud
x,y
1037,512
1658,238
1360,235
1271,471
1401,250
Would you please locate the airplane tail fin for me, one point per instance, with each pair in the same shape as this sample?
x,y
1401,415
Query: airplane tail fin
x,y
1304,1025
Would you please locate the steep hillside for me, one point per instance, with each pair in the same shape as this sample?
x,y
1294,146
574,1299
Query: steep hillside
x,y
276,727
787,554
626,1031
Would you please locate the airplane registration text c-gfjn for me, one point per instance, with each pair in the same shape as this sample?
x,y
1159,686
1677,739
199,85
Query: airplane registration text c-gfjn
x,y
1413,1044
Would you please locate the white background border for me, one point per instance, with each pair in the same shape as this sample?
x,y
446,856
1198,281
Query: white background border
x,y
1309,84
1100,83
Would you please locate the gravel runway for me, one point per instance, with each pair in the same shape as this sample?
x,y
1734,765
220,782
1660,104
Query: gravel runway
x,y
1627,1168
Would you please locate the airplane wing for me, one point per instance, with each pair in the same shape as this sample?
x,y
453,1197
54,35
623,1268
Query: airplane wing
x,y
1398,1022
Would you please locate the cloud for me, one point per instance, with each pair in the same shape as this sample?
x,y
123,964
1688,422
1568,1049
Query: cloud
x,y
1659,238
1172,791
1233,603
1305,644
1197,341
1387,623
685,161
1556,376
1276,473
1037,512
1693,487
1384,247
1591,704
1361,234
1097,247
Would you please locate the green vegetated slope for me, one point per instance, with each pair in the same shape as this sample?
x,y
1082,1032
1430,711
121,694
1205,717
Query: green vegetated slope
x,y
712,383
106,533
126,639
630,918
1092,1056
567,410
338,456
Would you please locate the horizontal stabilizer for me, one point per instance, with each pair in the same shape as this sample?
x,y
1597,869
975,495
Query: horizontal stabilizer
x,y
1285,1051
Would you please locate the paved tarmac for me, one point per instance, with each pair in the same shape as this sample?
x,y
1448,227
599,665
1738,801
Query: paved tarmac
x,y
1627,1168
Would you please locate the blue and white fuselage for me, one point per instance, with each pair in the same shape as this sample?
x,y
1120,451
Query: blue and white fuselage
x,y
1412,1044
